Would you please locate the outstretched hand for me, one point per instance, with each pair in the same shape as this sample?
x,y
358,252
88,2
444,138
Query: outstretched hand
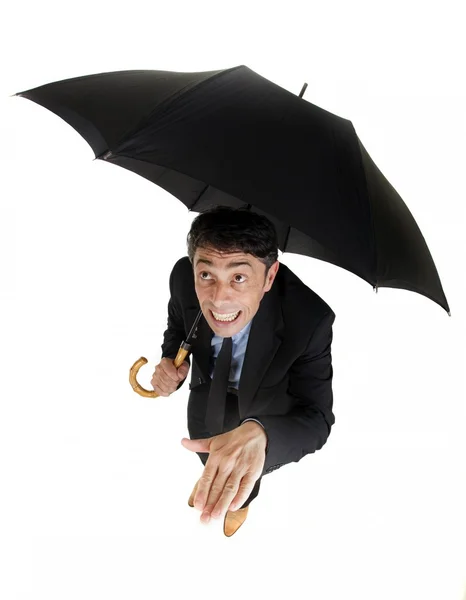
x,y
235,463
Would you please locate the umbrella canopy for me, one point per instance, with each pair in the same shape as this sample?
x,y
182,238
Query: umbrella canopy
x,y
232,137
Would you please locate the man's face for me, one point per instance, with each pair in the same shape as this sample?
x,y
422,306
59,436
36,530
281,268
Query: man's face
x,y
227,288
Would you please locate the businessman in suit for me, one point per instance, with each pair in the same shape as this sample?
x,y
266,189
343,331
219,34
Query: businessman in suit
x,y
276,406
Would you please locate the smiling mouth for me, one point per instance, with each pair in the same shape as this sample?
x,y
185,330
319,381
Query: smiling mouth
x,y
225,320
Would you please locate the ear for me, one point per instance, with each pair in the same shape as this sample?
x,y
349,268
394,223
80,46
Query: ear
x,y
271,275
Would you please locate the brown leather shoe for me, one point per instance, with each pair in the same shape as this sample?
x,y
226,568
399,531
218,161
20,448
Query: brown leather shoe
x,y
234,520
191,498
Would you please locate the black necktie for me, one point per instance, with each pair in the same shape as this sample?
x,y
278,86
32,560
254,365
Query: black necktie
x,y
215,414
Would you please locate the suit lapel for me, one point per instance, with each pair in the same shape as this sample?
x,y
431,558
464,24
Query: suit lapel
x,y
202,343
265,337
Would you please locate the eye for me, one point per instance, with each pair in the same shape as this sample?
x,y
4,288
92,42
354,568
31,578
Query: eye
x,y
201,273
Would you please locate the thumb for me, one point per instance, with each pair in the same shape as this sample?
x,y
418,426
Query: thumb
x,y
183,370
201,445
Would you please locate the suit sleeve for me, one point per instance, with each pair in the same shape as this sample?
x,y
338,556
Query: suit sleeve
x,y
307,426
175,333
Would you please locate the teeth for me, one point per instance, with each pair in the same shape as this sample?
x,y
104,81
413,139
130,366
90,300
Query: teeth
x,y
230,317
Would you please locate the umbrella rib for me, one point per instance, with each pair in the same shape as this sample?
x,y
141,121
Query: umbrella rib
x,y
199,197
286,239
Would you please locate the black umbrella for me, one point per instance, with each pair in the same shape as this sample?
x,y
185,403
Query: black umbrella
x,y
231,137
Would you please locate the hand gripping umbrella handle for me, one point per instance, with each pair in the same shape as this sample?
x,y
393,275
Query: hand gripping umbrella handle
x,y
178,361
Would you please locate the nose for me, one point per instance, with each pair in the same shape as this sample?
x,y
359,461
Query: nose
x,y
222,296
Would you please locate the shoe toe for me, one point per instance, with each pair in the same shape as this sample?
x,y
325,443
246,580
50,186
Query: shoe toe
x,y
234,520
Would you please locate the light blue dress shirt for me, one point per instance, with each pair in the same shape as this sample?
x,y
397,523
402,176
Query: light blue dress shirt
x,y
238,350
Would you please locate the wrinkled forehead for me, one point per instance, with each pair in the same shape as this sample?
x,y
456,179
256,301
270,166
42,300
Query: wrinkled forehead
x,y
225,260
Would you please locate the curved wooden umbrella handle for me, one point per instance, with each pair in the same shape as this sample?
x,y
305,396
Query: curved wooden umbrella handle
x,y
178,361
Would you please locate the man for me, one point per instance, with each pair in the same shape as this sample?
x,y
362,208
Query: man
x,y
278,405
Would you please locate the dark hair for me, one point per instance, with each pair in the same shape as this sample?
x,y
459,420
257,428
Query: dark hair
x,y
229,229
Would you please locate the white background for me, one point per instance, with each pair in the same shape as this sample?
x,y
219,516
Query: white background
x,y
94,478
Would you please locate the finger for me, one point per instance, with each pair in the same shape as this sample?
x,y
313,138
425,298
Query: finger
x,y
230,491
224,485
166,380
221,487
166,383
169,371
159,390
168,388
245,488
205,483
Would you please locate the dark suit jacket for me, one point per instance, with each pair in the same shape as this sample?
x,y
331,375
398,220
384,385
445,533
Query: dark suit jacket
x,y
286,379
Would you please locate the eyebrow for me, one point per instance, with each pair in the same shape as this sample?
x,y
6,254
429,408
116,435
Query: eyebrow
x,y
232,264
